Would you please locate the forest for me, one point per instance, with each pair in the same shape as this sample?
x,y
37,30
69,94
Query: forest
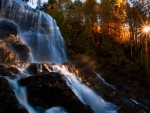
x,y
111,32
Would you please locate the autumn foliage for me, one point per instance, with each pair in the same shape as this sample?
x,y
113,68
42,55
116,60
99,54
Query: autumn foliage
x,y
111,30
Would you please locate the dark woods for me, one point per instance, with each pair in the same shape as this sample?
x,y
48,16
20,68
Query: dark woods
x,y
111,31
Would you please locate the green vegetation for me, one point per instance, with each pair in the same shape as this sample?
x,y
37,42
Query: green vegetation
x,y
99,30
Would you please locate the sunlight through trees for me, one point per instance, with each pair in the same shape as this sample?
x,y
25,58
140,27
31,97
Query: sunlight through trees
x,y
88,26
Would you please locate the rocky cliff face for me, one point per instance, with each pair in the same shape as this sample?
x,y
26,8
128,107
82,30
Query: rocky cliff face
x,y
11,48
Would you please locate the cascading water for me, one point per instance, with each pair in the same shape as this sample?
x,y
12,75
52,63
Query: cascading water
x,y
84,93
40,32
21,93
37,29
104,82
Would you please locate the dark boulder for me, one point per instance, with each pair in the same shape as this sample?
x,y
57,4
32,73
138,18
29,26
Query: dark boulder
x,y
8,31
49,89
8,101
33,69
4,71
13,70
22,50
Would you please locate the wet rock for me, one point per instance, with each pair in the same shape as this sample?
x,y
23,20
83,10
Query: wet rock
x,y
22,50
49,89
13,70
8,101
45,68
71,68
8,31
33,69
8,70
3,43
4,71
10,38
6,55
10,47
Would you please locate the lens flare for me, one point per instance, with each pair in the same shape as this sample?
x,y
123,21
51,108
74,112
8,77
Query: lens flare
x,y
146,29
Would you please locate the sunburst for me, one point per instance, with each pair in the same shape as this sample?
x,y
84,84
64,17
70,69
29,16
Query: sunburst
x,y
146,29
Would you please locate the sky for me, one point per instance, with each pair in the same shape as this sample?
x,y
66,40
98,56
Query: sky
x,y
34,4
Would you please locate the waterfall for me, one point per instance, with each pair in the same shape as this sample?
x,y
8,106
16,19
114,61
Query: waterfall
x,y
40,33
84,93
38,30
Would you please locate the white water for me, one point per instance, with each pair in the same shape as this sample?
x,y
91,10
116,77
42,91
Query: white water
x,y
104,82
37,29
56,110
40,32
84,93
137,103
21,94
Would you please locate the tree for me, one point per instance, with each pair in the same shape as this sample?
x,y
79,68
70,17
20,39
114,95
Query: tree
x,y
113,17
90,16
